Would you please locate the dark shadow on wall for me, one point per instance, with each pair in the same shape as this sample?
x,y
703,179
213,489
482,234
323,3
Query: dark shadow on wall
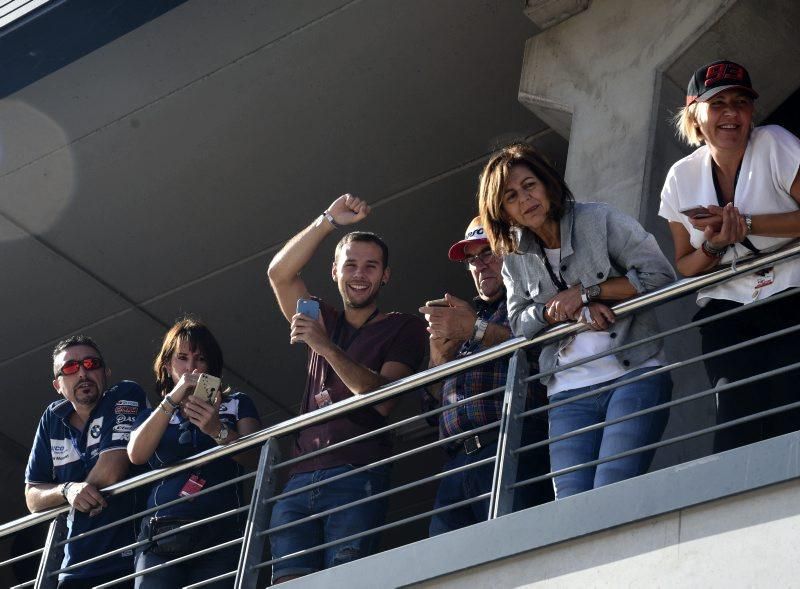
x,y
61,32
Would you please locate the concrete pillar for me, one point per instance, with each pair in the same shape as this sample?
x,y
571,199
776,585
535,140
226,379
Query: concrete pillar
x,y
593,79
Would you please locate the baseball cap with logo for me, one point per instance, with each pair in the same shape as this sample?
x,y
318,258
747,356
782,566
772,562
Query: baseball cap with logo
x,y
713,78
474,234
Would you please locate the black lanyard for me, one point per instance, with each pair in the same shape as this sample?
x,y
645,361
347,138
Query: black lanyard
x,y
337,331
344,345
556,278
721,202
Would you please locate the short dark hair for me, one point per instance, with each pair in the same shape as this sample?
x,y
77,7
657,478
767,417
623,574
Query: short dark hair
x,y
364,236
199,337
72,341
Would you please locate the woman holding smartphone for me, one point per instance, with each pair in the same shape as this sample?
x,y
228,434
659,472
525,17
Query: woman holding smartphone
x,y
180,426
568,261
748,183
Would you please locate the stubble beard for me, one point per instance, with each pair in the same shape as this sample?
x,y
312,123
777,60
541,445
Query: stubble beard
x,y
88,397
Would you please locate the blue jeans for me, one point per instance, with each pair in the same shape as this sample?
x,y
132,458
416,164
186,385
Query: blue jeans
x,y
477,481
331,527
460,486
600,443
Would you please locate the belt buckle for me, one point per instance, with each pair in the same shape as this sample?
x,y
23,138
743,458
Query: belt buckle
x,y
472,444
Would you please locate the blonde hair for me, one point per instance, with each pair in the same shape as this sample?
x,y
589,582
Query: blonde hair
x,y
687,126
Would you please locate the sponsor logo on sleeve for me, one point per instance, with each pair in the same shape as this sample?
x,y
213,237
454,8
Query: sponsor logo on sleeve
x,y
124,437
230,407
63,452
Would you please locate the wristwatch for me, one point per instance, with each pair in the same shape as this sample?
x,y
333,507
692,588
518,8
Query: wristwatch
x,y
590,293
748,220
479,330
223,433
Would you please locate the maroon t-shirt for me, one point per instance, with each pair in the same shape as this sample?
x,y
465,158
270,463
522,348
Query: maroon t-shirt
x,y
395,338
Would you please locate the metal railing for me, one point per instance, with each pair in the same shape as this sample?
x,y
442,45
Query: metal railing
x,y
508,431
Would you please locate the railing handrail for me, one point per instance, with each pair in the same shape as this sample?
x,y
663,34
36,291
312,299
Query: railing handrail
x,y
398,387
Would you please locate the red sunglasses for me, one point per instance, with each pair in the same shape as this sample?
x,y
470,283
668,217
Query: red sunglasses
x,y
73,366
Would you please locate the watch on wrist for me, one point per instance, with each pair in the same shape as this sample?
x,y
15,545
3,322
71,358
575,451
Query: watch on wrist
x,y
590,293
748,220
479,330
223,433
64,488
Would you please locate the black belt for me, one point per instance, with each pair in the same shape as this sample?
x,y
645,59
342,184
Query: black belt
x,y
472,444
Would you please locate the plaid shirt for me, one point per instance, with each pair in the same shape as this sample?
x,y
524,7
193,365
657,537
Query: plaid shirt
x,y
478,380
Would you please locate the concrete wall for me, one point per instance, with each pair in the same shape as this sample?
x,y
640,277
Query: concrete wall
x,y
728,520
729,543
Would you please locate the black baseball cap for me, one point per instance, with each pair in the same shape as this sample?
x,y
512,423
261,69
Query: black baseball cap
x,y
713,78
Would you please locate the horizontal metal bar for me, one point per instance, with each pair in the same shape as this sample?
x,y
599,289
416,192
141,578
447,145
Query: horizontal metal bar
x,y
661,335
172,562
150,510
387,428
668,367
414,381
21,557
668,405
221,577
383,461
392,491
30,583
139,543
377,530
660,443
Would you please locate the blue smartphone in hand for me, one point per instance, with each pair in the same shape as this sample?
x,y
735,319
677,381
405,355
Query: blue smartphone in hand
x,y
309,308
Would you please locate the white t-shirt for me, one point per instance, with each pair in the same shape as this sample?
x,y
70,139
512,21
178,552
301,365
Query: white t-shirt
x,y
769,167
587,343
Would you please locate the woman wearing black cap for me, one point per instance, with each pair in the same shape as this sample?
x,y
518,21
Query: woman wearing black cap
x,y
738,194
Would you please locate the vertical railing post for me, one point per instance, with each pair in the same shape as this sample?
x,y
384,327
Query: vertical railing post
x,y
505,466
52,556
258,516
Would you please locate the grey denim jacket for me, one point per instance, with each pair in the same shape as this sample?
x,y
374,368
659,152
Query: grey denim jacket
x,y
598,242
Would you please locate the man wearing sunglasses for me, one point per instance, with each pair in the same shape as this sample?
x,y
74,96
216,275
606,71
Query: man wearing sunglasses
x,y
80,448
458,330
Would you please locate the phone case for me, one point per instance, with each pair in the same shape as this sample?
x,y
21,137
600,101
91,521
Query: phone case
x,y
308,307
207,387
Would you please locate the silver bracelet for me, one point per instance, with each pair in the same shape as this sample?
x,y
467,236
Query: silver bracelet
x,y
330,219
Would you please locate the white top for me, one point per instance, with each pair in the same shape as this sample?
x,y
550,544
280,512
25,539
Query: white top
x,y
769,167
587,343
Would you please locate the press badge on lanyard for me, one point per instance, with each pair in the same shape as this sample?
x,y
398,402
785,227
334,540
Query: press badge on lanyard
x,y
764,277
323,398
193,485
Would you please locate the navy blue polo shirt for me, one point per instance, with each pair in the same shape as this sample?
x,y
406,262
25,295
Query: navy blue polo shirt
x,y
61,453
171,450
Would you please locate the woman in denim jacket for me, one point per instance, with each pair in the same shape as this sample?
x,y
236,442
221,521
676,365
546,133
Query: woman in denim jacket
x,y
568,261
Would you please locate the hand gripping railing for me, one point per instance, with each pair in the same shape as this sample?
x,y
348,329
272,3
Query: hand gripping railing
x,y
509,434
